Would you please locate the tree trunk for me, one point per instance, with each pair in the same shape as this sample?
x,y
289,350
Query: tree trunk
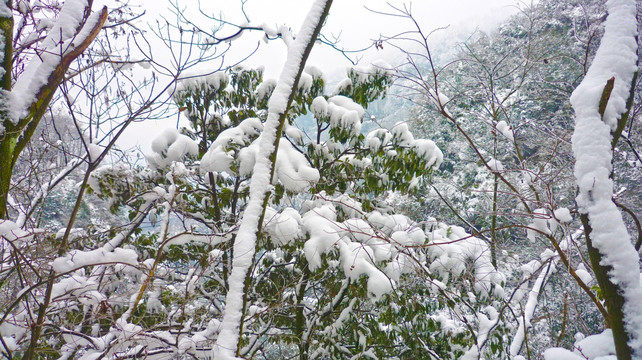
x,y
229,342
7,137
601,104
612,297
17,132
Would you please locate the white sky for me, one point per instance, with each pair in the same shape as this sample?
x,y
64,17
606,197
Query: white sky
x,y
355,26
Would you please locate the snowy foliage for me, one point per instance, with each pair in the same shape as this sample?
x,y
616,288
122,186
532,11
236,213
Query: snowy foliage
x,y
319,234
188,204
508,175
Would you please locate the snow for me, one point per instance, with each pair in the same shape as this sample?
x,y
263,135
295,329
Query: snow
x,y
345,113
389,223
361,249
541,221
561,354
583,274
486,322
412,236
321,224
195,81
10,342
94,151
153,303
10,231
221,155
266,88
269,31
402,135
285,227
71,14
596,345
77,259
563,215
187,238
356,259
524,321
378,138
293,169
246,157
305,82
170,146
244,246
495,165
295,134
79,288
343,86
363,74
60,40
440,100
314,71
381,66
399,265
471,354
378,283
332,329
615,58
450,250
373,142
319,107
503,128
429,151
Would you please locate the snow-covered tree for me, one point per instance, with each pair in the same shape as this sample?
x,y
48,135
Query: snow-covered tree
x,y
502,115
319,203
267,223
29,86
62,114
602,103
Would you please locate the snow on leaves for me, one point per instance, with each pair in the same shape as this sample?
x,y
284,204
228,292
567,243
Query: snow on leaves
x,y
169,147
245,243
199,176
329,248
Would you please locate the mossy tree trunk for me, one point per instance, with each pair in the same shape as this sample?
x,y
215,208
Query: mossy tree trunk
x,y
7,138
611,292
16,133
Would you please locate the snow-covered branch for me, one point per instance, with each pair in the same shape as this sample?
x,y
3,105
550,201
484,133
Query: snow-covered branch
x,y
599,103
244,246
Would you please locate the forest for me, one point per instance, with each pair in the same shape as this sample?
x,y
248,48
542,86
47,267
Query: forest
x,y
480,198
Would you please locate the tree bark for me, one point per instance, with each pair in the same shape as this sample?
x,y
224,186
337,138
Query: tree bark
x,y
600,119
18,132
7,137
229,342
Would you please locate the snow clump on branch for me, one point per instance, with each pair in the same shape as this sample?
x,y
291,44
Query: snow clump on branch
x,y
170,146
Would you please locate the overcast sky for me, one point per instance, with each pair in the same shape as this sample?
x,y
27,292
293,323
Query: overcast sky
x,y
349,20
355,25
